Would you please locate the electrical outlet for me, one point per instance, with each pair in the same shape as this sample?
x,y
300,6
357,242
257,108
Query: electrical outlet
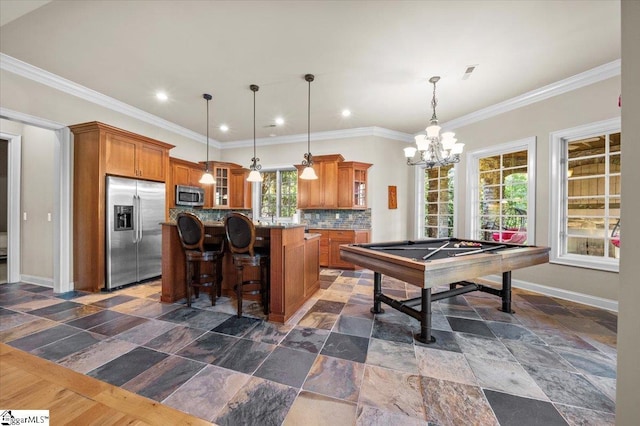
x,y
337,215
49,217
350,217
24,216
317,215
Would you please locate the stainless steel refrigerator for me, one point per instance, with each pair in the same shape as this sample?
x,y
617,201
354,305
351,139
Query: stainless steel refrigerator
x,y
135,209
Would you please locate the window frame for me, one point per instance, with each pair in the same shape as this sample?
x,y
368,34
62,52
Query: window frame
x,y
473,175
257,194
420,181
558,181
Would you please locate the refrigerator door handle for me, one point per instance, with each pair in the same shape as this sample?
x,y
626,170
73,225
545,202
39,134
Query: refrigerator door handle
x,y
139,218
135,220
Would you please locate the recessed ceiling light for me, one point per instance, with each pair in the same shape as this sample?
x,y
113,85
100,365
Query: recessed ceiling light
x,y
346,113
224,127
279,121
162,96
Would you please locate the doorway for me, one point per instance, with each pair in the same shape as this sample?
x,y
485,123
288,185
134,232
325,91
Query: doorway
x,y
12,128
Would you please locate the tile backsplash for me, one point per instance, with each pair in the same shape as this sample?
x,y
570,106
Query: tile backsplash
x,y
323,218
344,219
205,215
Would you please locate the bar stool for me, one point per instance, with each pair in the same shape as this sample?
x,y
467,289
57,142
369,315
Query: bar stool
x,y
241,236
192,236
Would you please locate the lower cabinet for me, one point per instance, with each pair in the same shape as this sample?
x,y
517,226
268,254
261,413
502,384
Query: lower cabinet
x,y
311,266
330,241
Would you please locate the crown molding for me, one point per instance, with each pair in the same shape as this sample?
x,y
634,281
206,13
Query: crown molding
x,y
9,114
23,69
594,75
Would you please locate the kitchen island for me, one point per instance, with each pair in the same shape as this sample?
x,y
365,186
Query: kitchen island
x,y
294,268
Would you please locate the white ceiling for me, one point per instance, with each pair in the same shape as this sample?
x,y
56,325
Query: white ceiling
x,y
373,57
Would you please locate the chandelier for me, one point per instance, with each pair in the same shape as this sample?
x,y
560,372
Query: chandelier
x,y
434,149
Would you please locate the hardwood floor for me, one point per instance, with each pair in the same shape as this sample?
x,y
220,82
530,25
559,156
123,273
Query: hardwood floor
x,y
29,382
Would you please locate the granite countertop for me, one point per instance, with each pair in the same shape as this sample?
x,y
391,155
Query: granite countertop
x,y
258,225
339,229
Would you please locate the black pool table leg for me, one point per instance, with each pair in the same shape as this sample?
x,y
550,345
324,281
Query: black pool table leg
x,y
377,291
425,318
506,293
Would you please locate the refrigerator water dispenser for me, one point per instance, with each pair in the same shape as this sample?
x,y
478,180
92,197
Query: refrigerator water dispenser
x,y
123,218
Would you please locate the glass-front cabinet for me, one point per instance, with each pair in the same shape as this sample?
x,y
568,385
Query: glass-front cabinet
x,y
352,184
221,195
230,189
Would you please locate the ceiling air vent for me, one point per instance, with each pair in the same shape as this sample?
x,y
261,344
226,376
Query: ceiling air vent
x,y
468,71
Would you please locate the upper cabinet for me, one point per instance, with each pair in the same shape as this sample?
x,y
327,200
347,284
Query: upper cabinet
x,y
240,195
352,184
185,172
121,153
231,189
340,184
321,192
134,157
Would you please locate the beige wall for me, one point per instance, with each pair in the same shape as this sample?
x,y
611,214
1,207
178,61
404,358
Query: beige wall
x,y
583,106
388,169
36,242
627,395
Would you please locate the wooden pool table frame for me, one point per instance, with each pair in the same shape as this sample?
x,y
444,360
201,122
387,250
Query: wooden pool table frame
x,y
452,271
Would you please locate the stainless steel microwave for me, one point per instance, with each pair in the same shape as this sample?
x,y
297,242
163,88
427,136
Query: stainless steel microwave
x,y
191,196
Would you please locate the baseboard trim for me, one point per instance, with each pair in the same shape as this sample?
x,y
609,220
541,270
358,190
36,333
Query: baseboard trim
x,y
30,279
572,296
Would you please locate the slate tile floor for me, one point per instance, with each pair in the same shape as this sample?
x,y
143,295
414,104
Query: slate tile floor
x,y
552,363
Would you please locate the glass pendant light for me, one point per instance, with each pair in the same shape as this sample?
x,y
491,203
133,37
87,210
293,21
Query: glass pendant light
x,y
254,175
308,173
207,177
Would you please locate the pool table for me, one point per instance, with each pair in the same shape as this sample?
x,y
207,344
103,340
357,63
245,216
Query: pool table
x,y
436,262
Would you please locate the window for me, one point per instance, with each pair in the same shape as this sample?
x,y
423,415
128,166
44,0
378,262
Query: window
x,y
278,194
502,190
438,202
586,196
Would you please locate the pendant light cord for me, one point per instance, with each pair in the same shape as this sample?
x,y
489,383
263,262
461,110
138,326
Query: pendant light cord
x,y
254,126
207,97
309,118
207,134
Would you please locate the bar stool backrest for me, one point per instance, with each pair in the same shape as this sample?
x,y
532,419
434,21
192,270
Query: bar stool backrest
x,y
191,231
241,233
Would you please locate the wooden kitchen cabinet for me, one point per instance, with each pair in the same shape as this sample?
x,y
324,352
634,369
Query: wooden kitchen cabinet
x,y
330,241
100,150
352,184
231,189
340,184
240,194
321,192
132,157
323,256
